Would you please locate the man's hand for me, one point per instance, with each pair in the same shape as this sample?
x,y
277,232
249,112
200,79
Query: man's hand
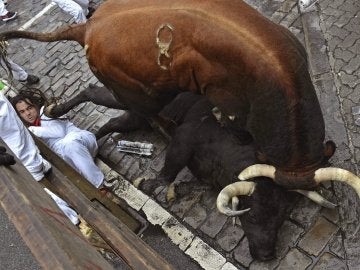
x,y
5,158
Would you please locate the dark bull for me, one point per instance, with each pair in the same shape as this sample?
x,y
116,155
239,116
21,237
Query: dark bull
x,y
214,155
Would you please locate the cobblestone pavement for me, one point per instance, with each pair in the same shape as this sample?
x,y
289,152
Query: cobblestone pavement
x,y
312,237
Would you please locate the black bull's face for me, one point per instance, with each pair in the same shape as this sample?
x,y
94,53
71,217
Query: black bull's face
x,y
269,207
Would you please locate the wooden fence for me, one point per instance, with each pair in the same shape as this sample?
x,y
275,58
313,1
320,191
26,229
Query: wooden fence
x,y
55,242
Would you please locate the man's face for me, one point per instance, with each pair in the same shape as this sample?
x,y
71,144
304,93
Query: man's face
x,y
27,111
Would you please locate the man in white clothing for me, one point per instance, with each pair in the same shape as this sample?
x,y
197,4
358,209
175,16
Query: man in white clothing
x,y
76,146
19,140
78,9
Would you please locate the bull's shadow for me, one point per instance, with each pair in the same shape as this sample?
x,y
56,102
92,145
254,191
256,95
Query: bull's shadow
x,y
214,154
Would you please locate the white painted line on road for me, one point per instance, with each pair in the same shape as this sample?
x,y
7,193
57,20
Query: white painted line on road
x,y
41,13
207,257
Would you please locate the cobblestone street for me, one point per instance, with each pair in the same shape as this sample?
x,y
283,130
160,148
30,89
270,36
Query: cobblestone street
x,y
312,237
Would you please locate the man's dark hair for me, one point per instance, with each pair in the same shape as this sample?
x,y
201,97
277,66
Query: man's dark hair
x,y
34,99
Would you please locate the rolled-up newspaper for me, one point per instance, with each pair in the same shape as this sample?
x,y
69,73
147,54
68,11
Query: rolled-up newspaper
x,y
135,147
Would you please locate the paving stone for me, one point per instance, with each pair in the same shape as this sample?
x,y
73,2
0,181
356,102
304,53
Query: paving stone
x,y
213,224
229,266
331,214
242,253
288,236
318,236
353,65
356,47
196,216
209,200
333,43
134,170
90,121
338,32
183,205
107,147
329,261
229,236
305,212
268,265
336,246
353,250
348,79
295,260
124,164
158,162
343,54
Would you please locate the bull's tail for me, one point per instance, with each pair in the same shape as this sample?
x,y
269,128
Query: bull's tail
x,y
4,63
75,32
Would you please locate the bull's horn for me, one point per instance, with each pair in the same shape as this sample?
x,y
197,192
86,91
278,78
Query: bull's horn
x,y
337,174
316,197
257,170
232,190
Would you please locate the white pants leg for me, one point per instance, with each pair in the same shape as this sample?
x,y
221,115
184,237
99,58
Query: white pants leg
x,y
67,210
79,149
18,72
77,9
3,10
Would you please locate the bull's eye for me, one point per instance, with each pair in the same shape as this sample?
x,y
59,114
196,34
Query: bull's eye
x,y
252,217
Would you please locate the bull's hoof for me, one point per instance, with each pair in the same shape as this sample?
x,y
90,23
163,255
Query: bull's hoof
x,y
138,181
171,193
151,186
48,109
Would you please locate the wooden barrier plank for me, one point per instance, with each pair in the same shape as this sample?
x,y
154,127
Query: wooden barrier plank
x,y
55,242
133,250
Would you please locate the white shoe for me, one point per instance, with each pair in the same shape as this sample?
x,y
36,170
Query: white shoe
x,y
46,166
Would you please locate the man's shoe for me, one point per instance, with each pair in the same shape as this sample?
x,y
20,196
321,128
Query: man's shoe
x,y
8,16
91,10
31,79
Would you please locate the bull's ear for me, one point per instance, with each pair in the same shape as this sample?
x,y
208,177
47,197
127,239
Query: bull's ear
x,y
329,149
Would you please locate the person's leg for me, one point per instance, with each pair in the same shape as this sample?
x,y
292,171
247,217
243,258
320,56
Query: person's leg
x,y
79,150
3,10
18,72
73,9
84,4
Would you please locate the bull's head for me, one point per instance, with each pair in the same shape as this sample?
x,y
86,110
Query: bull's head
x,y
268,204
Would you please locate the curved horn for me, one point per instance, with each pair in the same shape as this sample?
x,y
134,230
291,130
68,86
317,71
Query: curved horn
x,y
232,190
337,174
257,170
316,197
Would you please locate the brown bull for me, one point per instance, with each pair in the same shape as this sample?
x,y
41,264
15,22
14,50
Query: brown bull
x,y
147,51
